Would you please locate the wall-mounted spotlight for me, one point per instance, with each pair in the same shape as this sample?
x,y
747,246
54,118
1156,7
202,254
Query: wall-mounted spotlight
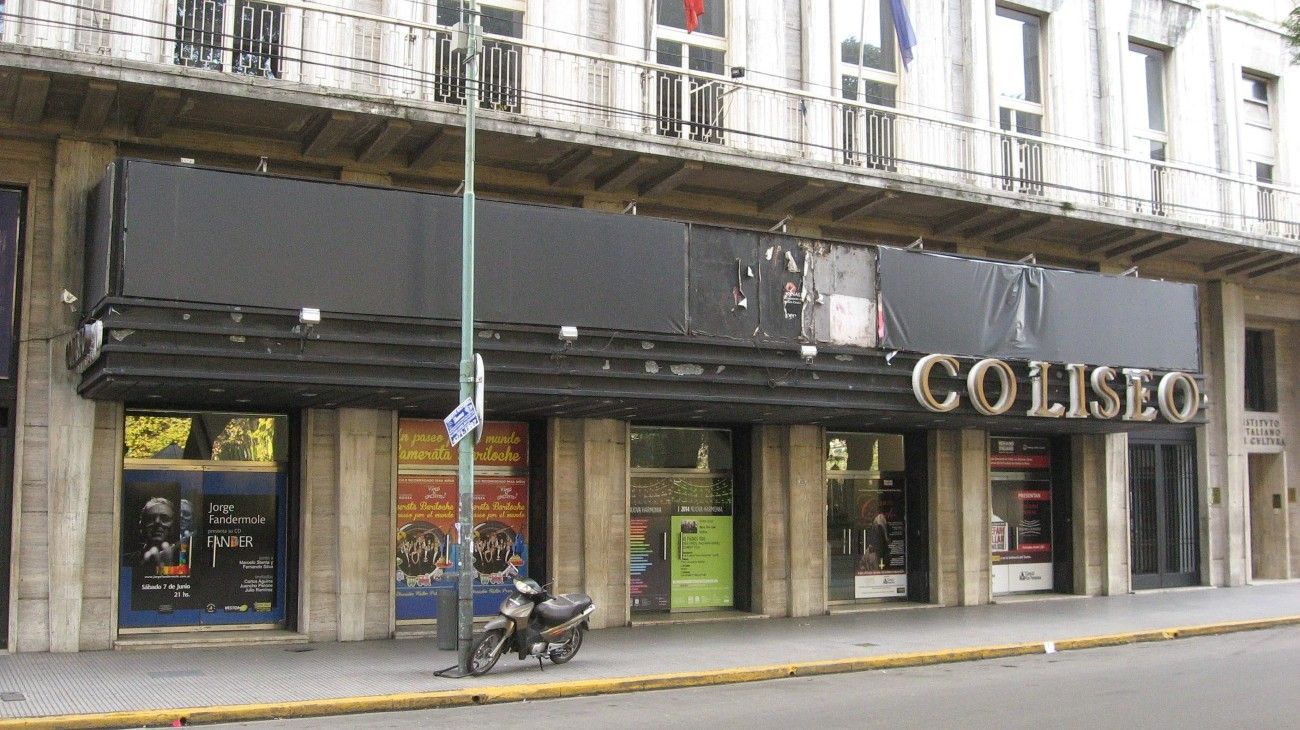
x,y
309,316
568,334
808,353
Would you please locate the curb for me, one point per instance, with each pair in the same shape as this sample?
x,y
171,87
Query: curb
x,y
557,690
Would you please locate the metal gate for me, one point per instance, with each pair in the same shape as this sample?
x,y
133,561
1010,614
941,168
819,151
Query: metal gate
x,y
1163,515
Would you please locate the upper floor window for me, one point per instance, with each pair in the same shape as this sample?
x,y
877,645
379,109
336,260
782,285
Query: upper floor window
x,y
1145,73
864,43
1017,78
499,66
691,103
1261,374
254,28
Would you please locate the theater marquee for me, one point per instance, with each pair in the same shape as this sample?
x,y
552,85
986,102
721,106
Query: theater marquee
x,y
1103,392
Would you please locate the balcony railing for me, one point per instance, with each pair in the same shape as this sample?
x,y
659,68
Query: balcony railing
x,y
414,59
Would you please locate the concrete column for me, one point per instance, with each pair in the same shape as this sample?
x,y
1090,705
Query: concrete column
x,y
959,518
1117,569
806,525
1112,44
770,558
1101,531
79,165
1225,335
355,443
587,513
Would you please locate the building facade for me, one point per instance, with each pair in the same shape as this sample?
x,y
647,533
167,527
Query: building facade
x,y
783,315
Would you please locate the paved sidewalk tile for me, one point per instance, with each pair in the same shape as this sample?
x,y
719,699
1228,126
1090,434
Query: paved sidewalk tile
x,y
108,681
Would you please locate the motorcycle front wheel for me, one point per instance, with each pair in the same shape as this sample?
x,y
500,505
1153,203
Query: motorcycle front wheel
x,y
563,652
485,652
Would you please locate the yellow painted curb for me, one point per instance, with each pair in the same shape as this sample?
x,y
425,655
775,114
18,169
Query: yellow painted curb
x,y
556,690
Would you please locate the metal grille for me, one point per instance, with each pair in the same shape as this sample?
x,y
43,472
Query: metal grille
x,y
499,74
1163,514
94,26
703,116
1159,187
1022,165
258,28
198,33
869,139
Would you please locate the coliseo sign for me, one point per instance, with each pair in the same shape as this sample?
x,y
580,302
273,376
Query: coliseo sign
x,y
1092,395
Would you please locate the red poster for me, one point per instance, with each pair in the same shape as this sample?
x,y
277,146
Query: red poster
x,y
423,442
426,513
500,529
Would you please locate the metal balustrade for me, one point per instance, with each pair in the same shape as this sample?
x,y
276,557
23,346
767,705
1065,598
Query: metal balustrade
x,y
414,59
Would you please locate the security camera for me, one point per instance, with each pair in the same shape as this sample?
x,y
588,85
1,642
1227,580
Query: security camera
x,y
69,297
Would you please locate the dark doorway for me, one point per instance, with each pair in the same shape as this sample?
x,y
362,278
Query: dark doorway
x,y
13,206
1163,516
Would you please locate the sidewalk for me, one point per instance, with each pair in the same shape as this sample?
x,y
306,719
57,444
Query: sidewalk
x,y
244,683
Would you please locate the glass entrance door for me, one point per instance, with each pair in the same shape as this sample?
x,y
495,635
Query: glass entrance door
x,y
680,530
866,554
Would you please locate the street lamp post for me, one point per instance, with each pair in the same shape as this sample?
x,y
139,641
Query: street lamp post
x,y
465,564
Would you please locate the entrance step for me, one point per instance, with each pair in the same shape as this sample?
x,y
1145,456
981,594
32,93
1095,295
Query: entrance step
x,y
693,617
888,605
182,640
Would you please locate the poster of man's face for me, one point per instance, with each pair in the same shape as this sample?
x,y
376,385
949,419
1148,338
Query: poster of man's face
x,y
153,542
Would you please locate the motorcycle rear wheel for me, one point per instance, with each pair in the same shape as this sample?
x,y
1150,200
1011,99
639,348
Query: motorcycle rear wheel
x,y
485,652
564,652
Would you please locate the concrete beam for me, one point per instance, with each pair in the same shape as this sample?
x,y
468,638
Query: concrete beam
x,y
95,106
158,113
1105,240
863,205
992,224
578,165
964,214
440,146
389,135
1023,229
1132,245
821,202
1274,268
1228,259
670,178
1163,248
29,101
330,133
622,176
1265,261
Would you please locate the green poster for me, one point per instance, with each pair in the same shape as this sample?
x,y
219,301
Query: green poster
x,y
701,569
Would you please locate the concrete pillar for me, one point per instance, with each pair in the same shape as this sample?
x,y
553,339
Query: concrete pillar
x,y
1225,337
806,525
587,512
1112,44
959,518
770,587
79,165
355,478
1100,524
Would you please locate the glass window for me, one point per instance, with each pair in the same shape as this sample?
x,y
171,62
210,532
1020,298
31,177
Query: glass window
x,y
495,20
868,452
1146,70
702,449
714,21
1261,378
865,33
1016,55
206,436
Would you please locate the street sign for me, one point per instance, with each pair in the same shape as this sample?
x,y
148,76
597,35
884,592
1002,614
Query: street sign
x,y
461,421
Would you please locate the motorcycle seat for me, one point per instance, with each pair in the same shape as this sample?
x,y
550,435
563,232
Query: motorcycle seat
x,y
559,609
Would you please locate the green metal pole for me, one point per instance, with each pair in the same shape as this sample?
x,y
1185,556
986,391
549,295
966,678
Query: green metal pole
x,y
465,566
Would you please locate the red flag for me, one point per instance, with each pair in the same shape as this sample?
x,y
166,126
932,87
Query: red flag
x,y
694,9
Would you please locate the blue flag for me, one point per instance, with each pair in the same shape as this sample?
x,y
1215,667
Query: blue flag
x,y
903,29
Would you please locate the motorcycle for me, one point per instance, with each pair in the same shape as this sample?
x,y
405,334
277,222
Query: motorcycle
x,y
533,623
